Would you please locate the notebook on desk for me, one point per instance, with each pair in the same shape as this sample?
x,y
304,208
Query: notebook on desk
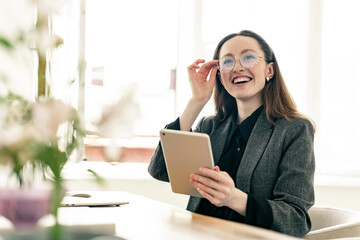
x,y
81,199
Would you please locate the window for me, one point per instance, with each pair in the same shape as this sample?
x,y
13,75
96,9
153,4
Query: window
x,y
148,43
338,138
289,38
132,44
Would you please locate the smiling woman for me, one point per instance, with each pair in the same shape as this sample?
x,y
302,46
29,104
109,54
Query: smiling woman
x,y
243,76
262,146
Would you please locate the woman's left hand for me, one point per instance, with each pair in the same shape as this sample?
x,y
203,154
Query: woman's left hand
x,y
215,185
219,188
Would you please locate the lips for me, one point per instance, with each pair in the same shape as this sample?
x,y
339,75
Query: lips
x,y
241,79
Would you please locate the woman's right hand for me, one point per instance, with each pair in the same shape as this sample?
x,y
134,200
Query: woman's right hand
x,y
201,85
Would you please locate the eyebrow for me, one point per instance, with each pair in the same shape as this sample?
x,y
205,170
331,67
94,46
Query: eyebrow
x,y
242,52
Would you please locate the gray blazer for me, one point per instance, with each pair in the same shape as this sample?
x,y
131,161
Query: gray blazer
x,y
278,164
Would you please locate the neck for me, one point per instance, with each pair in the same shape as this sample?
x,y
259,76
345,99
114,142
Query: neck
x,y
245,109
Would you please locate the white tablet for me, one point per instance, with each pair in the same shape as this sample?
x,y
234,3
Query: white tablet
x,y
184,153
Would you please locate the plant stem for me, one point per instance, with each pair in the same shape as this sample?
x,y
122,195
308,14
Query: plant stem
x,y
57,194
41,75
42,24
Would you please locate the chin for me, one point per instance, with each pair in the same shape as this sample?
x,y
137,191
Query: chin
x,y
248,97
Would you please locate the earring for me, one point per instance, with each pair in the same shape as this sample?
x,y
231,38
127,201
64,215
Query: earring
x,y
267,79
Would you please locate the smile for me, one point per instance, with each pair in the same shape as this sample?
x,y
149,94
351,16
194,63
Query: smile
x,y
240,80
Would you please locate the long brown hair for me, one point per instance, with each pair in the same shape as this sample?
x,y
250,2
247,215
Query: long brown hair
x,y
276,97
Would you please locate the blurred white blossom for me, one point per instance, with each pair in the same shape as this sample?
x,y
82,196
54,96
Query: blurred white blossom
x,y
47,117
45,7
118,119
25,28
29,132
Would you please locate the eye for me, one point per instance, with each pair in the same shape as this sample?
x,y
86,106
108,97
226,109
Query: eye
x,y
248,57
228,61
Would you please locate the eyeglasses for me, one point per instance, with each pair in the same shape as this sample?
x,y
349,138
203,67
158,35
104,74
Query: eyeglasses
x,y
248,60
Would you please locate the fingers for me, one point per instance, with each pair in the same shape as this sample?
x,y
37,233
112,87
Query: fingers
x,y
213,183
195,65
212,194
209,189
212,173
205,185
213,75
205,68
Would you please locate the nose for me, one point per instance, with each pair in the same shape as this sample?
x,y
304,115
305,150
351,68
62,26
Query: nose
x,y
238,67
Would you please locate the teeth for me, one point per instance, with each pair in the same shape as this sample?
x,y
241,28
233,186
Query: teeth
x,y
241,79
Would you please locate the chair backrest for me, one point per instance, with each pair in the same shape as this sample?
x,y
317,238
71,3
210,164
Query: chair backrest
x,y
332,223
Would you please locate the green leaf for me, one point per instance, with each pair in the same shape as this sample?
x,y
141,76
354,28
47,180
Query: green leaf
x,y
98,178
6,43
51,156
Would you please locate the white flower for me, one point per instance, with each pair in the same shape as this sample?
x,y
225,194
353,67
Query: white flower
x,y
45,7
12,135
15,115
117,120
11,114
43,40
12,123
47,117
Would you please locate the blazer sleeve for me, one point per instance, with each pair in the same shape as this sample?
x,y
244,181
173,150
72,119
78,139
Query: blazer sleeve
x,y
157,166
294,189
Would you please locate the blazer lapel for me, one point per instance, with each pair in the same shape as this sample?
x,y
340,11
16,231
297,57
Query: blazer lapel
x,y
255,147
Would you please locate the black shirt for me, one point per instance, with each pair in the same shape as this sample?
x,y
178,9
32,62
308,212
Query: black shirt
x,y
229,162
258,211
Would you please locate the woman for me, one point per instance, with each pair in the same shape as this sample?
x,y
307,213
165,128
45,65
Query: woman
x,y
262,146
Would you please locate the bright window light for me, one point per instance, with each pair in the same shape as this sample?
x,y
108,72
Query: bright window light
x,y
149,44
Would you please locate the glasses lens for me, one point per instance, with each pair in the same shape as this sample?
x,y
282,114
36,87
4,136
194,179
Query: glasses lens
x,y
227,64
248,60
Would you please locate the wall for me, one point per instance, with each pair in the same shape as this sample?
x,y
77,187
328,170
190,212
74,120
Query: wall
x,y
337,191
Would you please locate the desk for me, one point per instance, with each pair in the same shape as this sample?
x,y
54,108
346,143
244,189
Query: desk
x,y
144,218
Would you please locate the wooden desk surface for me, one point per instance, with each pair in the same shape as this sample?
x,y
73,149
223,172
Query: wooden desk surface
x,y
144,218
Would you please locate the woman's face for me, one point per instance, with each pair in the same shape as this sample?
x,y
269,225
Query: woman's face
x,y
245,84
